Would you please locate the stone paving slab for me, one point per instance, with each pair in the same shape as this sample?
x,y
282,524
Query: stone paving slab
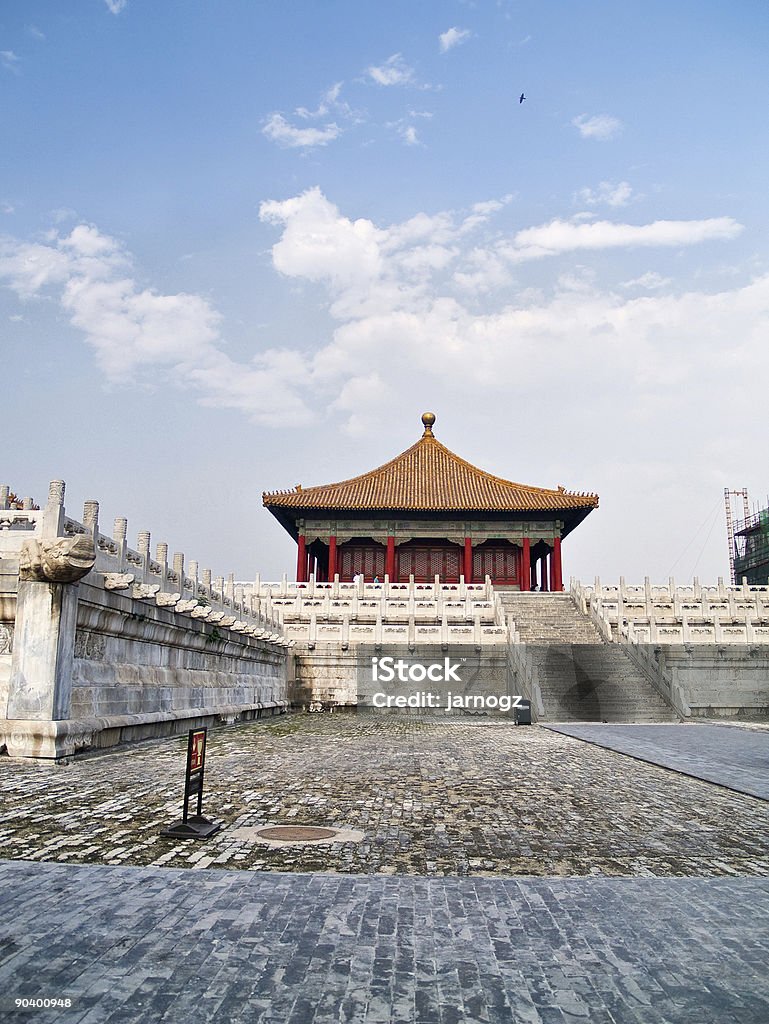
x,y
432,797
159,944
735,758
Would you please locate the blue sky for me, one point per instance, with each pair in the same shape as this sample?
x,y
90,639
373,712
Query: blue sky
x,y
244,245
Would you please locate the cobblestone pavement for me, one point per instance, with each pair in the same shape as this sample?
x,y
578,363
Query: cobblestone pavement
x,y
735,758
166,945
432,797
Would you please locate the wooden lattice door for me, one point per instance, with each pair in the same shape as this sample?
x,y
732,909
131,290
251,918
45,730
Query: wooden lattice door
x,y
368,559
426,561
498,561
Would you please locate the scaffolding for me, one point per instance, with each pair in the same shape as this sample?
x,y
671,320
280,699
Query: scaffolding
x,y
743,493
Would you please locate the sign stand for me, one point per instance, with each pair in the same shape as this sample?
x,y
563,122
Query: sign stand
x,y
193,826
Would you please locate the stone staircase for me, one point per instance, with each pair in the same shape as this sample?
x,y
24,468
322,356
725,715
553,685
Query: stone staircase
x,y
581,677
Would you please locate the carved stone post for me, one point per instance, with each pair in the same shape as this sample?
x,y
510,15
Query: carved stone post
x,y
161,557
46,618
91,517
143,546
179,570
53,513
119,533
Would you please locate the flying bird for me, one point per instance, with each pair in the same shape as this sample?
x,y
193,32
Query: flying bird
x,y
522,98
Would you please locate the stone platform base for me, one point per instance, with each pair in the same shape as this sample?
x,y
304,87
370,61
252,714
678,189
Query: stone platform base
x,y
62,740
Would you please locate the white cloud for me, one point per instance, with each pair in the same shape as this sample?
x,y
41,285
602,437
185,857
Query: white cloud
x,y
482,271
10,61
394,71
406,129
482,211
600,126
116,6
406,301
330,103
607,193
35,32
7,207
139,335
284,133
400,295
367,268
63,213
651,281
452,37
567,236
278,129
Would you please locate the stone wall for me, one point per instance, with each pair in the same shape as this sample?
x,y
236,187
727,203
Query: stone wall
x,y
102,644
341,677
720,681
326,675
707,646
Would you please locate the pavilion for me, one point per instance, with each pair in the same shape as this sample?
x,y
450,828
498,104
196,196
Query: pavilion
x,y
428,513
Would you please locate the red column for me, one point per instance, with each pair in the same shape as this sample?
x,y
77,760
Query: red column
x,y
543,573
468,566
557,566
301,560
525,581
331,558
390,559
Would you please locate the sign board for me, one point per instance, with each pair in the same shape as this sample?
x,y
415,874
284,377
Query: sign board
x,y
193,826
197,751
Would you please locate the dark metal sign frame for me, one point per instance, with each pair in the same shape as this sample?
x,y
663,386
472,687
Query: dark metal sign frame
x,y
194,826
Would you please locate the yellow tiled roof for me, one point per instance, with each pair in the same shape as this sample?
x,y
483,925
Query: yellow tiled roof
x,y
428,477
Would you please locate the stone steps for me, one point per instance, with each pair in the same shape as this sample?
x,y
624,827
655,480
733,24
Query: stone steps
x,y
581,676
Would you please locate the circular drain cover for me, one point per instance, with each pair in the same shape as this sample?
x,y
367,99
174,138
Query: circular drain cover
x,y
296,833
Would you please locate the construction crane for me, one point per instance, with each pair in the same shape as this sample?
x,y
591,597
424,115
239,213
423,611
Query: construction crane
x,y
730,523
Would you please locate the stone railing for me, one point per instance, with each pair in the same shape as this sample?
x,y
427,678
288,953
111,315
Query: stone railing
x,y
371,613
348,631
366,589
524,672
101,643
673,614
181,587
651,661
588,604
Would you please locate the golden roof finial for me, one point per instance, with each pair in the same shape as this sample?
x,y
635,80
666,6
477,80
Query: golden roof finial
x,y
428,418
